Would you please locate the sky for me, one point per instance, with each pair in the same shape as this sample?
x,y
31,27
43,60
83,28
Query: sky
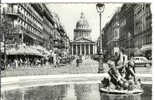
x,y
69,14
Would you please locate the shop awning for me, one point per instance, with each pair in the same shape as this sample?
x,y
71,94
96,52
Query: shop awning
x,y
23,50
42,50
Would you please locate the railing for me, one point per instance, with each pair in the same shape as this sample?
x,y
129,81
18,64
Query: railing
x,y
28,31
28,8
11,11
29,22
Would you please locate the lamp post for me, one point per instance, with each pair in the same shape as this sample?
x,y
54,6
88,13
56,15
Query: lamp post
x,y
129,36
100,9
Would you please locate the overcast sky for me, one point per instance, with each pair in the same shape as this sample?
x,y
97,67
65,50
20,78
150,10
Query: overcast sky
x,y
69,14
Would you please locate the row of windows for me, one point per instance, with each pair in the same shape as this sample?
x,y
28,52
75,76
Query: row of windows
x,y
140,8
36,13
83,26
25,24
34,21
148,24
82,34
138,29
26,20
22,12
141,26
143,40
47,28
47,25
28,27
46,21
29,16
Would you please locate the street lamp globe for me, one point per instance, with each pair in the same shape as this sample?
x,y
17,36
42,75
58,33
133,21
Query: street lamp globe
x,y
100,7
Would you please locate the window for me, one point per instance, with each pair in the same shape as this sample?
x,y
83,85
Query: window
x,y
147,5
18,20
139,11
143,7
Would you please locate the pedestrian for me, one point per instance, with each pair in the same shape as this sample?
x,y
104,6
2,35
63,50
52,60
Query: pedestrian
x,y
16,63
21,62
77,61
55,60
42,61
58,60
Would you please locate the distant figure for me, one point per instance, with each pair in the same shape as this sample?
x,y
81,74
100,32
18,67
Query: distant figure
x,y
55,60
58,60
16,63
77,61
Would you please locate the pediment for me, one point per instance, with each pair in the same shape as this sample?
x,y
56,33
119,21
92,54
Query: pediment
x,y
84,40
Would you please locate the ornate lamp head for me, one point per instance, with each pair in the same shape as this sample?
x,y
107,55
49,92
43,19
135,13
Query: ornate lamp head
x,y
100,7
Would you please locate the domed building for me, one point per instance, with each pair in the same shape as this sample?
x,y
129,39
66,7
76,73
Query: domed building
x,y
82,43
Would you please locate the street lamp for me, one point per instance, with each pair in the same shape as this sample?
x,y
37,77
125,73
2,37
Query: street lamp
x,y
129,36
100,9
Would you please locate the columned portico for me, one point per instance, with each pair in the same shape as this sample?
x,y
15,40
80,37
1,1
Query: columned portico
x,y
79,48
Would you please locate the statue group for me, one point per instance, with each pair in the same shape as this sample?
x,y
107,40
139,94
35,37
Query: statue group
x,y
121,74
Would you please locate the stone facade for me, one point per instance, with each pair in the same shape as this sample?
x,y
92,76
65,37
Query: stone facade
x,y
130,28
33,24
143,27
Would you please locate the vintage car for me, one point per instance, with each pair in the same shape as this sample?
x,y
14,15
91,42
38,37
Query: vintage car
x,y
141,61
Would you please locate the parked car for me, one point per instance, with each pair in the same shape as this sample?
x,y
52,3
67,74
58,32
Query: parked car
x,y
142,61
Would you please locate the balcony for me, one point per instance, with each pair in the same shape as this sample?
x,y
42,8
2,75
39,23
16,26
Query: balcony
x,y
11,12
30,33
30,22
28,8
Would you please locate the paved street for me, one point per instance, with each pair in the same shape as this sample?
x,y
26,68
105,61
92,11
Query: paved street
x,y
87,66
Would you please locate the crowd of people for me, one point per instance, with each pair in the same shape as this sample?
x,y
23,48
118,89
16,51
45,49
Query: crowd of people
x,y
121,73
31,61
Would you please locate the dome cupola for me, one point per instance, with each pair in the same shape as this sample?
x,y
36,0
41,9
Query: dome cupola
x,y
82,23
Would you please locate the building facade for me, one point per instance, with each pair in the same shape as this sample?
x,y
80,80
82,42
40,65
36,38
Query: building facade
x,y
126,28
130,28
27,23
143,28
111,32
82,43
33,24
